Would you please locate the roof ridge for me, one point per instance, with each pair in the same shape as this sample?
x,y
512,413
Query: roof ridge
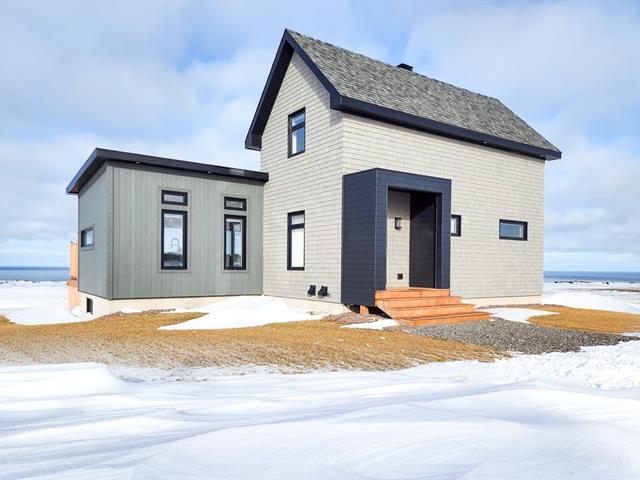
x,y
410,72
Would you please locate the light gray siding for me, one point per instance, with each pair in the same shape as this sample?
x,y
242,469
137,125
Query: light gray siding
x,y
137,209
398,205
310,181
94,210
487,185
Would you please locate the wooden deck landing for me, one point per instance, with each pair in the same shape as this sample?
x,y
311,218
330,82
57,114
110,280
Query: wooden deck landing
x,y
426,306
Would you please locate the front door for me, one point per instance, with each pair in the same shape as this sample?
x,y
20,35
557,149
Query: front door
x,y
423,242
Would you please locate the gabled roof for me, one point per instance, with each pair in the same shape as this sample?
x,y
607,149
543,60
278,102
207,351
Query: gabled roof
x,y
101,155
364,86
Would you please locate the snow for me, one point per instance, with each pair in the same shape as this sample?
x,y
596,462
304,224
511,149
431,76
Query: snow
x,y
34,303
520,315
561,415
377,325
591,301
242,312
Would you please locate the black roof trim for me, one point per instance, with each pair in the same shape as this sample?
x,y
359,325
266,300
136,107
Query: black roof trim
x,y
288,45
100,155
377,112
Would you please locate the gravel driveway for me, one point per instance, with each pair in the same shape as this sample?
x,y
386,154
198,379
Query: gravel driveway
x,y
519,337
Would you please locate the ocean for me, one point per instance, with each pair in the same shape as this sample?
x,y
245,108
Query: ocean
x,y
34,274
592,276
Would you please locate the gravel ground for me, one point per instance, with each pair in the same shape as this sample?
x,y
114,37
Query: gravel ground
x,y
519,337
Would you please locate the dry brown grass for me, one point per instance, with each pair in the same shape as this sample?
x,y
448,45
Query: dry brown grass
x,y
587,320
134,340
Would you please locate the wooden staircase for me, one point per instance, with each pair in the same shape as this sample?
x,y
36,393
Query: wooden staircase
x,y
426,306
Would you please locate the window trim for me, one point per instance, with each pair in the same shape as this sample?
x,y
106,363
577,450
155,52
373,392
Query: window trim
x,y
244,242
185,237
458,219
91,245
525,230
237,199
292,129
184,195
290,227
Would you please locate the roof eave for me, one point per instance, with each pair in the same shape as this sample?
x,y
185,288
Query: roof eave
x,y
100,155
359,107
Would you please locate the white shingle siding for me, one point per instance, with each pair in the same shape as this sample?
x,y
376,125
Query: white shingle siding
x,y
487,185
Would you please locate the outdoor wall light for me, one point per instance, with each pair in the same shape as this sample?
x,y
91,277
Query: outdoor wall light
x,y
323,292
398,223
312,290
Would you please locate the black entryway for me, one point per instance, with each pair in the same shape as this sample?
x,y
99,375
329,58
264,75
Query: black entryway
x,y
364,232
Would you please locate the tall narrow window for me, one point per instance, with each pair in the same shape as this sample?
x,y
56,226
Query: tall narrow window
x,y
86,238
174,240
295,241
297,130
456,225
513,230
235,242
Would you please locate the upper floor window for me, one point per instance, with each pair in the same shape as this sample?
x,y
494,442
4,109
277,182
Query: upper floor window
x,y
86,238
297,130
513,230
174,198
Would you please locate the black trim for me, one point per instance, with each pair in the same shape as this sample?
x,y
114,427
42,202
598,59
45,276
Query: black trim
x,y
288,45
295,226
100,155
291,128
364,229
243,208
458,219
525,230
184,195
243,220
83,234
185,226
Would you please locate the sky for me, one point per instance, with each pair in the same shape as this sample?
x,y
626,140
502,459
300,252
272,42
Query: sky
x,y
182,80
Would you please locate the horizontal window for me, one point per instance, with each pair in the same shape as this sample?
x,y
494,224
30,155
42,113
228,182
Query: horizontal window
x,y
456,225
232,203
174,240
174,198
295,241
86,238
513,230
234,242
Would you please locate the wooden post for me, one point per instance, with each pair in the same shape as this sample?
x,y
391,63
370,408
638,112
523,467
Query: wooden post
x,y
364,310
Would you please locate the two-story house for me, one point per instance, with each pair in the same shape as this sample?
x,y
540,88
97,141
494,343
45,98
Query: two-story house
x,y
378,187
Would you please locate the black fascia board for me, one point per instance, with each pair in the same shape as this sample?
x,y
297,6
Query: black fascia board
x,y
376,112
287,47
100,155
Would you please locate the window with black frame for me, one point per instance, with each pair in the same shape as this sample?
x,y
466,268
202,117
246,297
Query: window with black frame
x,y
295,241
513,230
297,132
174,240
235,239
86,238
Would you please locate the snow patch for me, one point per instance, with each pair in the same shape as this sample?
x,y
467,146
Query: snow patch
x,y
377,325
243,312
521,315
590,301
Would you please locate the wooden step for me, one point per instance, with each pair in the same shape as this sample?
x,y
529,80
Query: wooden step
x,y
393,303
458,318
435,311
411,293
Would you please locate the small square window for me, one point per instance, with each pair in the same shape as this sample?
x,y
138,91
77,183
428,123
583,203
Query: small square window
x,y
513,230
174,198
456,225
232,203
398,223
86,238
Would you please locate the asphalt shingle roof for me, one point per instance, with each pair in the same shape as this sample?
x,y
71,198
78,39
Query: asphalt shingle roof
x,y
372,81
